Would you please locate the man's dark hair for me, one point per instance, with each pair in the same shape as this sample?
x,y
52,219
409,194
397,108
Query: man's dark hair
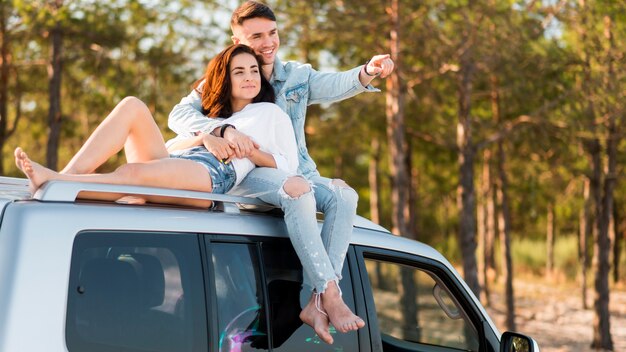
x,y
251,9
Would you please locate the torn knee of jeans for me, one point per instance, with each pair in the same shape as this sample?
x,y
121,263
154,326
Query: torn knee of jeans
x,y
340,185
295,187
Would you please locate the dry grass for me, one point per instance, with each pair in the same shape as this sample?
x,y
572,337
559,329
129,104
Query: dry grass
x,y
551,312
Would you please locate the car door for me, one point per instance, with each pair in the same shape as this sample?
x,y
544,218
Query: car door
x,y
417,304
255,289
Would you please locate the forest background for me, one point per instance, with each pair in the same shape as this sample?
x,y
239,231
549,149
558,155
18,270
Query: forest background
x,y
498,139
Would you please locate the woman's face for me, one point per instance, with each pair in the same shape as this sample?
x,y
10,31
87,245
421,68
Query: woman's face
x,y
245,78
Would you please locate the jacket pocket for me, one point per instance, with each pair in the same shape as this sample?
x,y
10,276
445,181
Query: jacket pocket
x,y
296,99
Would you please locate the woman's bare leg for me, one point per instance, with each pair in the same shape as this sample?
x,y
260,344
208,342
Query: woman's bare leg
x,y
166,173
130,126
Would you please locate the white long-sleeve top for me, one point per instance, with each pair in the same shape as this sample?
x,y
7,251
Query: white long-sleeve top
x,y
270,127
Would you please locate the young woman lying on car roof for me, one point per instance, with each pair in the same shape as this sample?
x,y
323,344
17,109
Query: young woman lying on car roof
x,y
236,90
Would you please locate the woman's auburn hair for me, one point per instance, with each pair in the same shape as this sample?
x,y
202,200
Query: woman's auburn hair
x,y
216,86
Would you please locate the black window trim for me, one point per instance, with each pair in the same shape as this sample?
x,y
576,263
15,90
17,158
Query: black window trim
x,y
365,338
443,273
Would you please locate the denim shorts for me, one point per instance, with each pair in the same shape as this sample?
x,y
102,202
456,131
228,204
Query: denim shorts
x,y
222,175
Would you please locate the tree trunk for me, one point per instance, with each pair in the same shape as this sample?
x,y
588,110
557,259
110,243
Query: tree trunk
x,y
466,192
601,325
617,246
374,185
55,118
550,239
602,248
481,210
504,221
489,221
413,193
612,237
374,181
401,187
504,214
586,229
604,211
492,226
396,132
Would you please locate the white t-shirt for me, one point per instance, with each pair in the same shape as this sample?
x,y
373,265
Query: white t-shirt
x,y
270,127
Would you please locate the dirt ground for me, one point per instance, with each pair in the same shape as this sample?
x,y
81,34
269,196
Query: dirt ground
x,y
552,314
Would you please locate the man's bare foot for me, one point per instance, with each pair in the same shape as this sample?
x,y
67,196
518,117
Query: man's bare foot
x,y
36,173
317,320
339,314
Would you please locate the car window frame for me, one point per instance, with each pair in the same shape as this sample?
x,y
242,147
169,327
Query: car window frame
x,y
444,275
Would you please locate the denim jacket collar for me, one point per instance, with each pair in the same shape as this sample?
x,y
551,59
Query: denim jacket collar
x,y
279,74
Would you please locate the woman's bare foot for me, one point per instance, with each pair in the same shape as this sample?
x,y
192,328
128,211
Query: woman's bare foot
x,y
36,173
317,320
339,314
134,200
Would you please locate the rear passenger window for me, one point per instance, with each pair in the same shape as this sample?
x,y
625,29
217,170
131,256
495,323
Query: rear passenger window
x,y
136,292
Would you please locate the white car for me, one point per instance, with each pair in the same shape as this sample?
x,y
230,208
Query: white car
x,y
80,275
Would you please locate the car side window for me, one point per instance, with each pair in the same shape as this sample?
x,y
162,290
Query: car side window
x,y
239,293
136,292
247,320
414,309
287,296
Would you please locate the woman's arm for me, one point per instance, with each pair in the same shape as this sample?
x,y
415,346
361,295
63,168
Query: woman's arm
x,y
221,148
262,159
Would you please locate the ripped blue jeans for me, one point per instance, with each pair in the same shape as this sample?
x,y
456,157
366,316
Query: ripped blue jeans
x,y
321,252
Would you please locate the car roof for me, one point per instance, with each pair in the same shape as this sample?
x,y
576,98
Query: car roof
x,y
64,192
14,189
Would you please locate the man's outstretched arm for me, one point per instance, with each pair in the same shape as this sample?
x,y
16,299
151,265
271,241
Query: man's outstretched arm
x,y
330,87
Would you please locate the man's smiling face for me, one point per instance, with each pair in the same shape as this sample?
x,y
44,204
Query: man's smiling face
x,y
261,35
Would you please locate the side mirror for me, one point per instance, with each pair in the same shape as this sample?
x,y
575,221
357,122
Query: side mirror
x,y
514,342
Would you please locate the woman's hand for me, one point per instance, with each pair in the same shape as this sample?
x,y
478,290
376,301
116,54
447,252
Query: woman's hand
x,y
220,147
242,144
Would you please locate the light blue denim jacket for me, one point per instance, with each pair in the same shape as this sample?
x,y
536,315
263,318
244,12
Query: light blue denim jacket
x,y
297,86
